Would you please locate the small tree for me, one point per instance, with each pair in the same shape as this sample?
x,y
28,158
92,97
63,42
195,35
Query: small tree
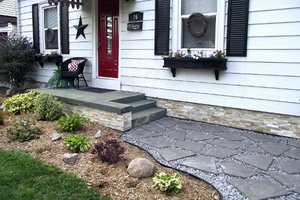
x,y
16,57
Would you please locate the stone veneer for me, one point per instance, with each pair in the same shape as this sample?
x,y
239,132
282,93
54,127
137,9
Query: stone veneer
x,y
276,124
121,122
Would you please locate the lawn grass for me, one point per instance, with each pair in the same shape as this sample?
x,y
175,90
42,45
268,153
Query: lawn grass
x,y
23,177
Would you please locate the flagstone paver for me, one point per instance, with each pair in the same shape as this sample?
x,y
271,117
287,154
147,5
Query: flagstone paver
x,y
258,189
158,142
170,154
240,164
201,163
289,165
294,142
238,170
260,161
274,148
197,136
295,153
189,145
220,152
177,134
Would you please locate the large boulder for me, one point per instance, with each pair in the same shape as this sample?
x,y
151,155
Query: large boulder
x,y
141,168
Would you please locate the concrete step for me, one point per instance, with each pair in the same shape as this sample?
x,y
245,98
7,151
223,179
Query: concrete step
x,y
130,98
142,105
148,115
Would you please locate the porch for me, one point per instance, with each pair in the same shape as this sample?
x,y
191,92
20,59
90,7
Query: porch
x,y
119,110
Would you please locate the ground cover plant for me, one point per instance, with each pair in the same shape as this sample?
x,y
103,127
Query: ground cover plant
x,y
78,143
167,182
110,151
47,107
23,131
39,181
20,103
70,123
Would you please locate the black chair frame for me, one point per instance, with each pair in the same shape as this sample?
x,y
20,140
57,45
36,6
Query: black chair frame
x,y
76,75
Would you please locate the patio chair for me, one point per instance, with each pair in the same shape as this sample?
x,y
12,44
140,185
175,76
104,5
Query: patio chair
x,y
73,69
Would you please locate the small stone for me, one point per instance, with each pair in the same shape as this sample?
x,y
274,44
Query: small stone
x,y
97,135
55,137
10,92
140,168
70,158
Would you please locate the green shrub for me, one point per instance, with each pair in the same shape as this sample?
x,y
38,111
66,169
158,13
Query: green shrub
x,y
110,151
78,143
23,131
17,57
167,183
20,103
47,107
70,123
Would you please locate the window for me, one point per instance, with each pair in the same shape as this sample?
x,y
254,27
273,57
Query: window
x,y
50,29
213,12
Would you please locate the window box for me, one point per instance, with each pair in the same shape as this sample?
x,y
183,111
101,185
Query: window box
x,y
41,59
215,64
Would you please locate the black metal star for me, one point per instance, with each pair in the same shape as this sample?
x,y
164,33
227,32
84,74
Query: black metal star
x,y
80,28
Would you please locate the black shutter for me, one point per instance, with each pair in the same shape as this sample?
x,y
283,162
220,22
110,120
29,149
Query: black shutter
x,y
64,29
162,26
35,27
237,29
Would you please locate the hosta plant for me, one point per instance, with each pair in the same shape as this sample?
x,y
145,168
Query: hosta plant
x,y
167,182
110,151
23,131
20,103
78,143
70,123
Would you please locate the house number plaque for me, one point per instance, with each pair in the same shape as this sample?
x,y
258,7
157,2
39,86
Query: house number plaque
x,y
135,21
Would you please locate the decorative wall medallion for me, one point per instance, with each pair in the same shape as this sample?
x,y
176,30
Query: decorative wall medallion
x,y
80,28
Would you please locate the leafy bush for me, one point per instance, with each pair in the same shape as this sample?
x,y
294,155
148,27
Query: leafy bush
x,y
47,107
16,56
110,151
167,183
56,81
20,103
70,123
78,143
23,131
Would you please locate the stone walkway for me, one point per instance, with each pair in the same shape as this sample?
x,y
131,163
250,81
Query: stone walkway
x,y
240,164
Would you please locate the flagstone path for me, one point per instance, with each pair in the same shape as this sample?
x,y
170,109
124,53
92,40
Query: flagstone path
x,y
240,164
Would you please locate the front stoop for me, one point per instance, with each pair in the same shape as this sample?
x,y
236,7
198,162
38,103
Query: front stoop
x,y
115,109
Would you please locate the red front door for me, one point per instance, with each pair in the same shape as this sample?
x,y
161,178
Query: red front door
x,y
108,36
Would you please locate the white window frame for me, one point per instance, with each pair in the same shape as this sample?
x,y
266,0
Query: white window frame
x,y
42,29
177,28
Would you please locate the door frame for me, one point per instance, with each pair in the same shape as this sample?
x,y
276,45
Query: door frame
x,y
104,82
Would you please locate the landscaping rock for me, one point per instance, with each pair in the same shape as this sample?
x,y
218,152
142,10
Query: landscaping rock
x,y
141,168
55,137
98,135
10,92
70,158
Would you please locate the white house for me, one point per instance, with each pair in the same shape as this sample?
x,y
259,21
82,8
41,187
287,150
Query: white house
x,y
260,90
8,17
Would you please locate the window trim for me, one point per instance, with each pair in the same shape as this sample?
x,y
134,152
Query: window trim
x,y
42,29
177,30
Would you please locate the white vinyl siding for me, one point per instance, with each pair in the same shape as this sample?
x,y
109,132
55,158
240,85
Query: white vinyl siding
x,y
266,80
8,8
78,48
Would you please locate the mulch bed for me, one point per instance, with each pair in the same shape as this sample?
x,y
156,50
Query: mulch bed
x,y
110,180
